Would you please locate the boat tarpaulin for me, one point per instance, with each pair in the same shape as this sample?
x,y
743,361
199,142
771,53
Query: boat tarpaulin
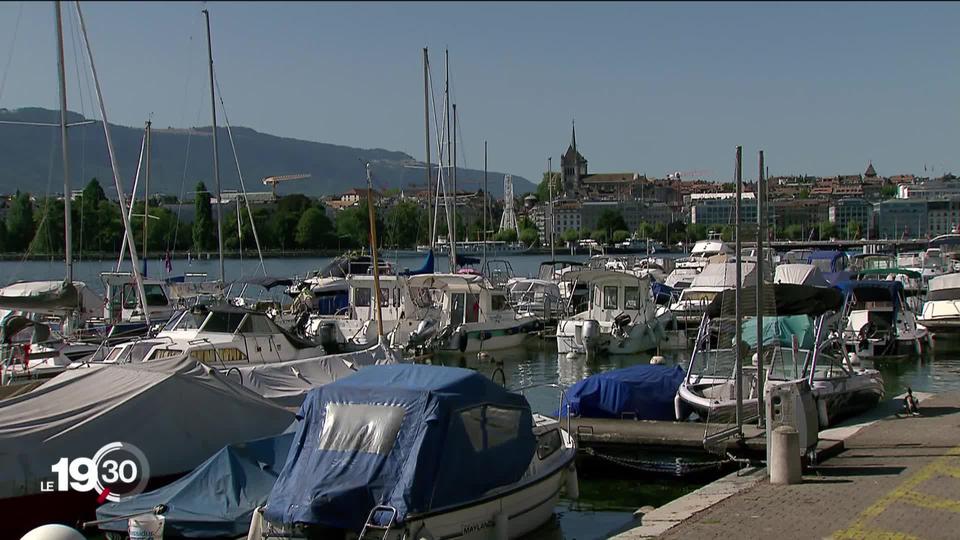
x,y
50,297
788,299
865,290
218,498
288,383
780,330
426,268
800,274
177,410
644,392
725,275
414,437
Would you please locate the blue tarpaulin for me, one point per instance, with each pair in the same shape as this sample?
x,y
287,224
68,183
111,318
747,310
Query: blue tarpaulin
x,y
414,437
427,267
873,291
662,293
218,498
645,392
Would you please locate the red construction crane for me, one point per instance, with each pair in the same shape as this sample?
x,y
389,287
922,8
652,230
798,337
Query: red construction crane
x,y
272,181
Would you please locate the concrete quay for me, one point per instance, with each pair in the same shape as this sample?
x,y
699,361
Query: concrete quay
x,y
894,478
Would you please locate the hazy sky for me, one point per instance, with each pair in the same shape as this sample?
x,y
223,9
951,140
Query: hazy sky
x,y
654,88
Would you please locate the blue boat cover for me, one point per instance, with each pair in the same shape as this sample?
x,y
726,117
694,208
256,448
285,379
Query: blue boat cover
x,y
415,437
645,391
837,259
662,293
427,267
218,498
873,290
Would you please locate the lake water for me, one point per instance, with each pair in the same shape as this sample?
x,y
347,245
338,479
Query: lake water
x,y
607,499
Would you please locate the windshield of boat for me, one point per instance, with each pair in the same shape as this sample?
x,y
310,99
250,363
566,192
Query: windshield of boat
x,y
704,297
223,321
153,291
136,352
185,320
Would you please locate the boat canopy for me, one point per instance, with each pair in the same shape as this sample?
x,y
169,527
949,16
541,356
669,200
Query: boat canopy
x,y
453,282
51,298
873,291
883,272
828,261
643,392
601,275
218,498
724,275
780,330
800,274
267,282
176,410
945,287
789,299
417,438
426,268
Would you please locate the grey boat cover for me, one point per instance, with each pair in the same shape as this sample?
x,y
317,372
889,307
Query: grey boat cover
x,y
51,298
945,287
725,275
800,274
176,410
287,383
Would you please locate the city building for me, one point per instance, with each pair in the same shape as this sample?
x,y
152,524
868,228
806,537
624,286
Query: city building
x,y
937,188
719,208
578,184
902,218
852,210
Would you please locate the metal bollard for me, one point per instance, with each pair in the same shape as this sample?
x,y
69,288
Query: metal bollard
x,y
784,465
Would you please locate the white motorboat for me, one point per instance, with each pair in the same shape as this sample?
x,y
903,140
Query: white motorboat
x,y
941,311
702,251
621,317
797,345
354,327
715,278
383,452
878,321
536,298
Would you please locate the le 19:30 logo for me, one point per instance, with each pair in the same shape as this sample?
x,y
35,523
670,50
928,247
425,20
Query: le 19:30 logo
x,y
117,470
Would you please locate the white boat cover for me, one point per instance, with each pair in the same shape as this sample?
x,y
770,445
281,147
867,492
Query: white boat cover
x,y
800,274
51,298
946,281
287,383
680,275
724,275
176,410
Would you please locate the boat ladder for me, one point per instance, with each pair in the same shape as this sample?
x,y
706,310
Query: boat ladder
x,y
373,526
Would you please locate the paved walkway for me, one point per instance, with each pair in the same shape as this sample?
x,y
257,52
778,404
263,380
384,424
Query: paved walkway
x,y
897,479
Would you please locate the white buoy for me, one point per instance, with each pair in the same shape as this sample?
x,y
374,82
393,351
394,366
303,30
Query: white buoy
x,y
571,355
657,360
483,356
572,485
53,532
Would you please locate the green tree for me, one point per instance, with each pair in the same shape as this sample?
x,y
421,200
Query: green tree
x,y
696,231
404,223
620,236
645,230
87,228
20,225
48,237
570,235
281,229
793,232
827,230
611,220
296,203
204,234
353,224
599,235
888,191
853,230
804,193
507,235
529,236
543,189
313,229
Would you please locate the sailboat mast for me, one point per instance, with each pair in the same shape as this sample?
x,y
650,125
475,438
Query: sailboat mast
x,y
738,354
67,217
146,198
761,263
426,124
451,217
216,153
453,134
553,225
373,254
485,195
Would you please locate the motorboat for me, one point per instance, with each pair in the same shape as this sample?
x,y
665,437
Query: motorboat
x,y
621,317
928,263
460,312
914,284
715,278
325,291
876,319
702,251
383,452
800,274
535,297
941,311
640,392
949,245
574,295
871,261
354,326
796,345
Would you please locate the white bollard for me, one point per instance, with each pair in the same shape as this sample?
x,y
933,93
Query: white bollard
x,y
785,466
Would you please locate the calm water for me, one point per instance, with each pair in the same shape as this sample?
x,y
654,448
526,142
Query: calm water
x,y
607,499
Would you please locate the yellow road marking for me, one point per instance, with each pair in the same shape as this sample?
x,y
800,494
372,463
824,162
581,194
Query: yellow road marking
x,y
905,492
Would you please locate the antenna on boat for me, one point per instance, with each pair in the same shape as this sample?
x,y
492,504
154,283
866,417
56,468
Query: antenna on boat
x,y
738,335
373,254
761,233
216,153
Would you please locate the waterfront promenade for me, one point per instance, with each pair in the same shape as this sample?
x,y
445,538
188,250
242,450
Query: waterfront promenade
x,y
898,478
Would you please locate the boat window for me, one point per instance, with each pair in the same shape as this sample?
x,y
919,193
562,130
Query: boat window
x,y
548,443
172,322
596,295
396,297
473,308
384,297
257,324
164,353
698,296
498,302
489,426
154,294
631,298
216,356
457,310
610,297
355,427
361,297
189,321
223,321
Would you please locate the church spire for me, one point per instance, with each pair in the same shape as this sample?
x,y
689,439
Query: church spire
x,y
573,136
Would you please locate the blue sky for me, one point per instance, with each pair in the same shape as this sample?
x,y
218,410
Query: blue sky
x,y
654,88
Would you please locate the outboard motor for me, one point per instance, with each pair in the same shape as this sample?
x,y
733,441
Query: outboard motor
x,y
591,335
425,330
327,335
460,339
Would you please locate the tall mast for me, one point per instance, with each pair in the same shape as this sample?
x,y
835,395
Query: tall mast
x,y
216,153
485,195
373,253
426,124
67,217
738,358
146,197
453,134
451,215
761,237
553,224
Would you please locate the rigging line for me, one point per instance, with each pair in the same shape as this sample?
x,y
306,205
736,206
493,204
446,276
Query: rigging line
x,y
183,178
133,197
440,129
83,98
236,158
13,46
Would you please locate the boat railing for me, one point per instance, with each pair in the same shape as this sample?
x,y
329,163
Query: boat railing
x,y
563,399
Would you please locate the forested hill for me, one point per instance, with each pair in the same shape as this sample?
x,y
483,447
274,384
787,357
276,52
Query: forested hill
x,y
31,159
